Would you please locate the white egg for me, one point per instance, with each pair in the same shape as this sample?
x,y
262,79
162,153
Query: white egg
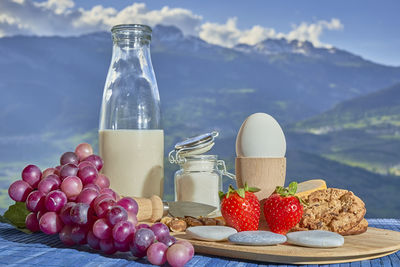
x,y
260,136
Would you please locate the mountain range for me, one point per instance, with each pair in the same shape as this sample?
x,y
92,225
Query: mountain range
x,y
52,88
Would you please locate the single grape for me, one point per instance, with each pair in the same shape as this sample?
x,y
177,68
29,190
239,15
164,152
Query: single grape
x,y
83,151
35,201
157,253
55,177
136,252
47,172
78,234
111,192
88,174
178,255
84,164
188,245
99,198
32,223
168,240
87,196
55,200
48,184
101,229
65,235
65,213
92,240
68,170
123,247
31,174
19,190
160,230
80,213
142,225
69,157
123,232
50,223
96,160
116,214
144,238
107,246
92,186
103,207
102,181
129,204
71,186
132,218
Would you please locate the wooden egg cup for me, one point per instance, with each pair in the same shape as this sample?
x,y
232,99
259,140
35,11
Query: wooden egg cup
x,y
264,173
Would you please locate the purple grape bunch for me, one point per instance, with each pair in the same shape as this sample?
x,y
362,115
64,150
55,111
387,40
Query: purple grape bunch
x,y
74,201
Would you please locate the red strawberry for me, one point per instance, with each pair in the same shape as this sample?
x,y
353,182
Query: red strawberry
x,y
241,208
282,209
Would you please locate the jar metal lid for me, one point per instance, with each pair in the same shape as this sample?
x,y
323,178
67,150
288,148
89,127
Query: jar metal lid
x,y
196,141
192,146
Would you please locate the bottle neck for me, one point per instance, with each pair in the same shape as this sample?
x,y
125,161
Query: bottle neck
x,y
136,42
131,35
131,41
131,52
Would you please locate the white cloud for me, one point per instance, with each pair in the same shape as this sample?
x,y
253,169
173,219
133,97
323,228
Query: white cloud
x,y
58,6
312,32
229,34
61,17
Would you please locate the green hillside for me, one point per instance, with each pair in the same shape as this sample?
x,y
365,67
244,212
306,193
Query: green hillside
x,y
381,108
362,132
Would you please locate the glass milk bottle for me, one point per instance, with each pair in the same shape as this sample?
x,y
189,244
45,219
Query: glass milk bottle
x,y
131,141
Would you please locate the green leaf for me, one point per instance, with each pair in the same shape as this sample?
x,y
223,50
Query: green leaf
x,y
253,189
221,195
5,220
241,192
16,214
292,188
246,188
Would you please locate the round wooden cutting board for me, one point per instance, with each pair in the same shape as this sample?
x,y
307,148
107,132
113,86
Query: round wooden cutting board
x,y
372,244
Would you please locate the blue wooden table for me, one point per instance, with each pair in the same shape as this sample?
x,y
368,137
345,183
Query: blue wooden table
x,y
19,249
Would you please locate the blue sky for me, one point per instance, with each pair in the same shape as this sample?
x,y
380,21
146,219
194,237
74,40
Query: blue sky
x,y
367,28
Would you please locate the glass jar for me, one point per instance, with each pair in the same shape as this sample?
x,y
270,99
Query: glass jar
x,y
199,180
131,140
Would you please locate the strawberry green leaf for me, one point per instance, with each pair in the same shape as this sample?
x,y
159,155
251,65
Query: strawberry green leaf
x,y
241,192
221,195
282,191
246,187
253,189
302,201
292,188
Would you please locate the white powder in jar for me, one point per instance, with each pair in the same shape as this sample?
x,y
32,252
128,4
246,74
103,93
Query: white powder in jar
x,y
198,181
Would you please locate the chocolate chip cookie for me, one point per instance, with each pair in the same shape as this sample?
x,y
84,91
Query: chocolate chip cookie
x,y
332,209
358,229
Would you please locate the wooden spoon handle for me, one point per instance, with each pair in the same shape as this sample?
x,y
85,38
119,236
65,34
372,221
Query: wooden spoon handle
x,y
150,209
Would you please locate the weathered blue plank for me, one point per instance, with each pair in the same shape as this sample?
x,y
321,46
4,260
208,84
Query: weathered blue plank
x,y
19,249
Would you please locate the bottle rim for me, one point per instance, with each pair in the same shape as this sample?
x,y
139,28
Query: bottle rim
x,y
131,27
